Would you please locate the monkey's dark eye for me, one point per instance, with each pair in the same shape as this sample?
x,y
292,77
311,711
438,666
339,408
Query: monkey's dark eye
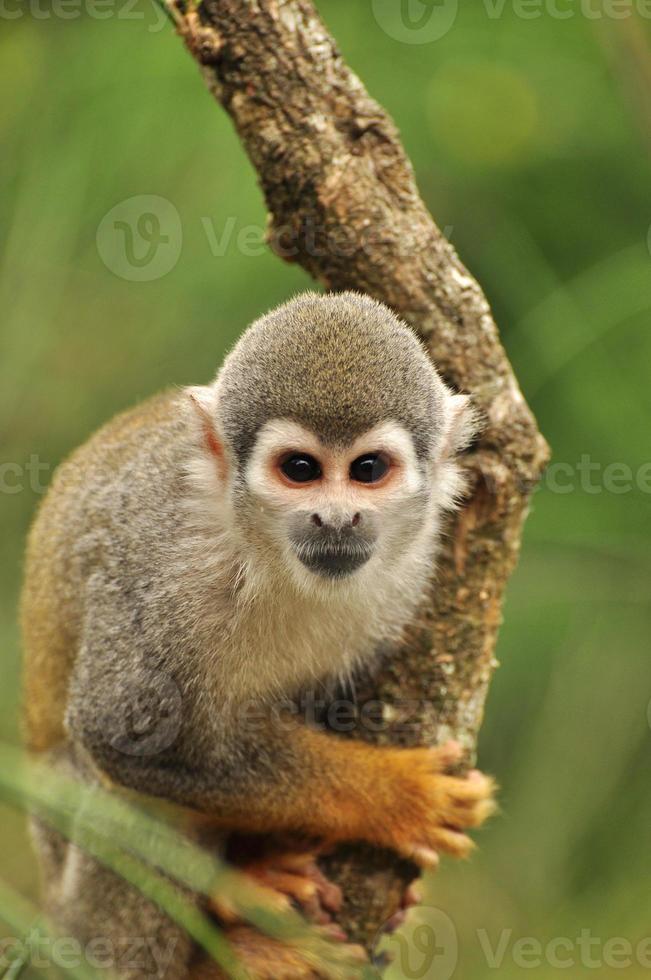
x,y
369,468
301,468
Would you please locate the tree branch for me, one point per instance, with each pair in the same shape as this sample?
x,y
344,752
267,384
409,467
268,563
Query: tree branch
x,y
343,202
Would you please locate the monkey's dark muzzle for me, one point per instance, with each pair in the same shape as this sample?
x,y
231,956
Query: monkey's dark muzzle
x,y
333,553
334,563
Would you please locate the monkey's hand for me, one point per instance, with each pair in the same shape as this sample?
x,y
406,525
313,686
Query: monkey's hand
x,y
426,810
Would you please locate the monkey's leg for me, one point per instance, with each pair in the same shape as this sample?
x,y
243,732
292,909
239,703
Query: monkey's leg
x,y
118,932
123,935
268,959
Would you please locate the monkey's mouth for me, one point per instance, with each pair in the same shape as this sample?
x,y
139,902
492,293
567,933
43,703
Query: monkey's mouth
x,y
333,562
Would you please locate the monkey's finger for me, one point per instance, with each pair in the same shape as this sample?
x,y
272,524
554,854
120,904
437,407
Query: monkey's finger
x,y
299,877
469,801
330,895
413,894
446,756
451,841
472,788
421,854
344,959
342,949
397,919
231,912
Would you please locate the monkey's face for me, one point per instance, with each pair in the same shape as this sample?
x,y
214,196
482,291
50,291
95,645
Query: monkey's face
x,y
336,439
330,510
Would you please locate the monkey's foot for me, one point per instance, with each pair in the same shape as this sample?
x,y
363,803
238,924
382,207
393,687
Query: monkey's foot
x,y
264,958
298,877
268,959
284,877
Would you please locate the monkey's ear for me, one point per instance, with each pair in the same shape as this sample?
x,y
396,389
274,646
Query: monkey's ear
x,y
461,424
203,399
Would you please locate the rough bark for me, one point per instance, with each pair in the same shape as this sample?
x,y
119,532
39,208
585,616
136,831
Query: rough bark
x,y
343,202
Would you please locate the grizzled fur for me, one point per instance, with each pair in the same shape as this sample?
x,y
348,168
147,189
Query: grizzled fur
x,y
338,364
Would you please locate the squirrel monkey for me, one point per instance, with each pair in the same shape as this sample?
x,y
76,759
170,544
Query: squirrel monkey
x,y
234,545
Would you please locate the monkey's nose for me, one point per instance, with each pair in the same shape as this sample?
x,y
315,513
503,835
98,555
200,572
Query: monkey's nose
x,y
353,521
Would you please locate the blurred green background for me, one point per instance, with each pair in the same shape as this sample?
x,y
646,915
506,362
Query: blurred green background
x,y
530,133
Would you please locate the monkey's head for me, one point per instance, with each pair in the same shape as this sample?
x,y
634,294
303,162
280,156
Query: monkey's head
x,y
334,438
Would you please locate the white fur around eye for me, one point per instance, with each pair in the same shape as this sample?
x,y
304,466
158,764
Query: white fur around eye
x,y
276,437
396,442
